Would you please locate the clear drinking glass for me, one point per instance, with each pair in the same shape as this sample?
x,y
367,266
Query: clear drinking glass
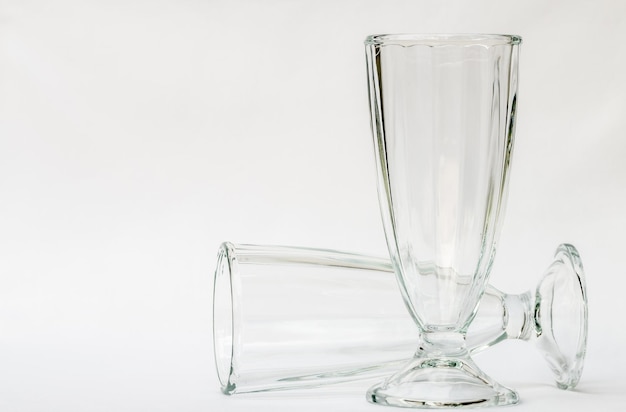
x,y
287,317
442,111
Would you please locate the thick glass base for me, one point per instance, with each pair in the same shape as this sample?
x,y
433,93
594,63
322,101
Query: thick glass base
x,y
441,383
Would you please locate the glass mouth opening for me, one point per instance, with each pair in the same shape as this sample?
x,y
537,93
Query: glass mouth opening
x,y
224,327
434,40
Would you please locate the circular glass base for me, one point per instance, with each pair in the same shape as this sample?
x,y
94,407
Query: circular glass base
x,y
561,316
441,383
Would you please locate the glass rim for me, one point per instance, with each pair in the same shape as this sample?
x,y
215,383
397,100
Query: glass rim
x,y
226,287
443,39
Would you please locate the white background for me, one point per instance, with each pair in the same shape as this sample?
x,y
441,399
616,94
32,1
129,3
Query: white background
x,y
135,136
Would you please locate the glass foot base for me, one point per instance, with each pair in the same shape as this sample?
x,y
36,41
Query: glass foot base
x,y
441,383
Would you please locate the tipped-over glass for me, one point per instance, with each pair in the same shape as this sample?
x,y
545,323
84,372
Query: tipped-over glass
x,y
287,318
443,120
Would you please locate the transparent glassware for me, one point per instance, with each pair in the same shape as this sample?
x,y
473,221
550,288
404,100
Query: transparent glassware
x,y
442,112
289,318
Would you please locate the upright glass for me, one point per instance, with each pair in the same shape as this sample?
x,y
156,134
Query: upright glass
x,y
443,120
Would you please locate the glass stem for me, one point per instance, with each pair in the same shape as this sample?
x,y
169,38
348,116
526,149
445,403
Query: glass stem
x,y
442,345
521,322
